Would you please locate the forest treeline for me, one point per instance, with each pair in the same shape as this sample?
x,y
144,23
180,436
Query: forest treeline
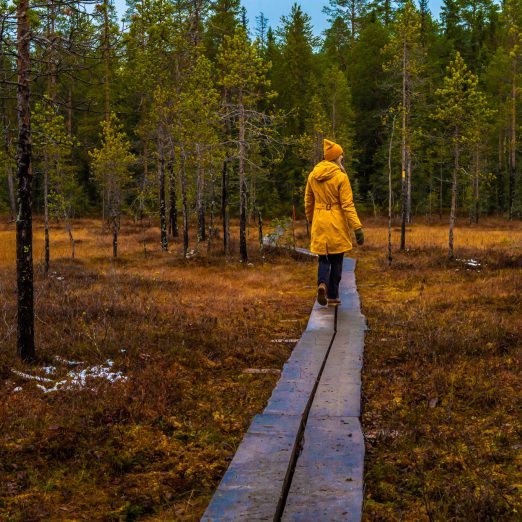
x,y
184,115
183,104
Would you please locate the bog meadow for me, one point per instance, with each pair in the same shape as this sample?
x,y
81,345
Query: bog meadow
x,y
144,321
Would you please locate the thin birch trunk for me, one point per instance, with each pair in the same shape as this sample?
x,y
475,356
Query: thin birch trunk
x,y
476,185
173,210
47,247
242,185
162,199
184,203
200,196
225,208
115,227
500,171
68,228
513,137
453,211
260,231
404,158
390,193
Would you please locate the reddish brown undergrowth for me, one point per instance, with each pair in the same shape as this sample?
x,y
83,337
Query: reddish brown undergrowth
x,y
443,375
154,445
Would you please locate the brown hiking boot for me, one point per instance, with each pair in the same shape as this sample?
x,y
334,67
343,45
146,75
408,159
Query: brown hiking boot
x,y
334,302
321,294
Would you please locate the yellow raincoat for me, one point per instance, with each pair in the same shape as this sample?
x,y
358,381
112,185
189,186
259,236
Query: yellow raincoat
x,y
329,206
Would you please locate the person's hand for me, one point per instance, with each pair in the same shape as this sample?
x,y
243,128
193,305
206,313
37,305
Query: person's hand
x,y
359,236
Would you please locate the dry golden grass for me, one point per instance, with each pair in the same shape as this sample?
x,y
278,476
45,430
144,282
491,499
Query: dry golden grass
x,y
442,377
155,446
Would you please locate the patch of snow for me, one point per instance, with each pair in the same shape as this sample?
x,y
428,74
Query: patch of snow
x,y
61,360
31,377
49,370
17,389
77,378
473,263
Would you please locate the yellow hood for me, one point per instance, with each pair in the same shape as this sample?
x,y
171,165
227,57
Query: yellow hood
x,y
325,170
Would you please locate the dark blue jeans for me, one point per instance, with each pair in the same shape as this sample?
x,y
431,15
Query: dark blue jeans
x,y
330,271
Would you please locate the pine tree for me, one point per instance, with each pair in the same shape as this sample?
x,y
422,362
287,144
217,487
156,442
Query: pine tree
x,y
405,51
243,75
461,108
110,170
351,11
513,21
52,153
223,20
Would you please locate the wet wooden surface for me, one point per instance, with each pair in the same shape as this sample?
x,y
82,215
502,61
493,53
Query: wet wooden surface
x,y
327,482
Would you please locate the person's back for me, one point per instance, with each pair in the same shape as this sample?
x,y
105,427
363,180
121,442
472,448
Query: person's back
x,y
330,208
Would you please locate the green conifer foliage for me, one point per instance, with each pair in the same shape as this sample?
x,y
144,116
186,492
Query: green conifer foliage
x,y
110,166
243,75
463,109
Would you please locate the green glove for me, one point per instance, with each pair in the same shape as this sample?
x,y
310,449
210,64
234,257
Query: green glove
x,y
359,236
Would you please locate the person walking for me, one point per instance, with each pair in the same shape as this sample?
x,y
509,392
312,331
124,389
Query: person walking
x,y
330,208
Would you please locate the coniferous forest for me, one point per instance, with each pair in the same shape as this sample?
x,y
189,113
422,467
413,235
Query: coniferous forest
x,y
190,106
177,128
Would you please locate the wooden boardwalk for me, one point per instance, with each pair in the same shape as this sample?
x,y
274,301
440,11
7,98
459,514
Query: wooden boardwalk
x,y
302,459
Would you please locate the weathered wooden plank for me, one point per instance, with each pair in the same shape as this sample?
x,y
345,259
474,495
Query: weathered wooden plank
x,y
252,485
321,318
327,483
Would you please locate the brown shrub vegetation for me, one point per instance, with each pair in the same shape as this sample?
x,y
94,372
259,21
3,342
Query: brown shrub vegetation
x,y
155,445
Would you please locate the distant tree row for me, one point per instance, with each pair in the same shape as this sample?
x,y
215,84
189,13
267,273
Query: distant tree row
x,y
182,115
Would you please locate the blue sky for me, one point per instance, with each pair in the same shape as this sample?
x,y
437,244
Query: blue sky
x,y
274,9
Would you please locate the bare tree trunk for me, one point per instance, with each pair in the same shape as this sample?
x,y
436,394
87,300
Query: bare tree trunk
x,y
69,111
10,180
260,231
47,246
11,188
242,185
210,236
404,156
24,225
162,199
200,196
225,209
173,211
390,193
184,203
441,199
453,211
476,185
500,171
408,178
513,138
72,241
115,227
